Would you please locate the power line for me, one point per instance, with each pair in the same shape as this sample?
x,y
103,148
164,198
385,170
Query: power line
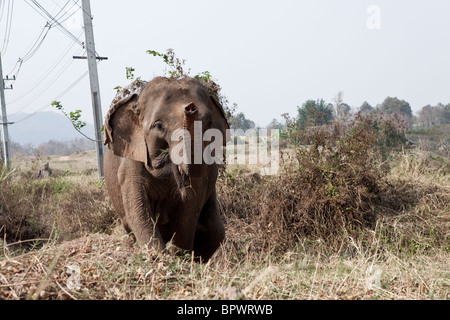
x,y
56,98
2,3
77,2
8,25
14,68
30,53
69,16
39,41
70,87
57,23
48,86
56,16
62,13
33,51
37,44
67,13
53,21
47,74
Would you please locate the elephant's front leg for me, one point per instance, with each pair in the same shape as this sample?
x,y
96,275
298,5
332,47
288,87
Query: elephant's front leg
x,y
210,230
139,215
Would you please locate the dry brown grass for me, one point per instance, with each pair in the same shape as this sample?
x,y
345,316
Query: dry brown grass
x,y
64,206
287,237
112,269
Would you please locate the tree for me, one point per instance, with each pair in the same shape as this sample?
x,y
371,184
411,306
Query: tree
x,y
395,105
275,124
399,109
341,108
431,116
446,113
365,107
346,108
239,121
314,113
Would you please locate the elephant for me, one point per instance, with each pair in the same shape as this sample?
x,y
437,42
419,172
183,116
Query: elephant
x,y
157,199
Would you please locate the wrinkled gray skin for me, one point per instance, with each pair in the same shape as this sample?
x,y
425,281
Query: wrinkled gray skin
x,y
157,200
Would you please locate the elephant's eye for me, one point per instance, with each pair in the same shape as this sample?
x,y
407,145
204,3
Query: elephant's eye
x,y
158,125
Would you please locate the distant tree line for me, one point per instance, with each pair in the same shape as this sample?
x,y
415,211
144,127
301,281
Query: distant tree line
x,y
52,147
431,116
428,117
318,113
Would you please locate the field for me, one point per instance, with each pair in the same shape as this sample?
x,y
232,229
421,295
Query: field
x,y
381,234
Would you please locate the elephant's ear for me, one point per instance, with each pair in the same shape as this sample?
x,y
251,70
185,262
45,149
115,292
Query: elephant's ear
x,y
124,132
220,119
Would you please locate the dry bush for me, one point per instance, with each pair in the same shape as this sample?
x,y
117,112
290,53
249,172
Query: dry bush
x,y
329,190
416,210
62,206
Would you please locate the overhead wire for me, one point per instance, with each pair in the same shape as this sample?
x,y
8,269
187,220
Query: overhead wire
x,y
28,55
45,89
78,4
61,10
48,73
37,44
44,13
67,12
70,87
50,23
2,4
35,47
9,16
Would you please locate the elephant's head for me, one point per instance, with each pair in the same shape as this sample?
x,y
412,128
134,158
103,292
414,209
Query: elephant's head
x,y
142,126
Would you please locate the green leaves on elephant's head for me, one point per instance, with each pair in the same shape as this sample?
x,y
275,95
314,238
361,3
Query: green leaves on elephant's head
x,y
176,65
177,71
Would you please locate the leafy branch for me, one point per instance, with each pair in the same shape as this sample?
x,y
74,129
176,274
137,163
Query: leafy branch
x,y
130,73
176,65
74,118
176,70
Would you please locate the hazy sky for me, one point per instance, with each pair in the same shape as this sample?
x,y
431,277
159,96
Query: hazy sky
x,y
268,56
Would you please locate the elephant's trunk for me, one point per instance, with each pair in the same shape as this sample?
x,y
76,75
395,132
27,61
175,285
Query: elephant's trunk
x,y
190,116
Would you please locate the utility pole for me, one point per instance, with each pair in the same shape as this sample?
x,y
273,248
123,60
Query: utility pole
x,y
5,149
95,88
